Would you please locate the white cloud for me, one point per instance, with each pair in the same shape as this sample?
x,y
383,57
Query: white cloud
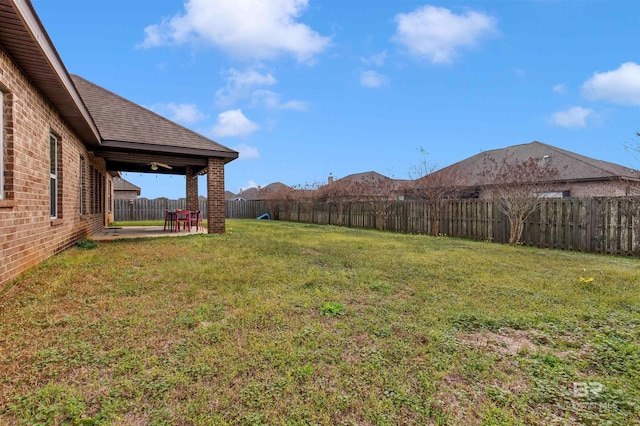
x,y
573,117
436,33
251,184
560,89
519,72
247,152
182,113
377,60
373,79
251,29
240,84
273,100
233,123
620,86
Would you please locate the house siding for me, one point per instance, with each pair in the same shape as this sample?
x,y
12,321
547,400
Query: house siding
x,y
28,235
603,188
123,194
611,188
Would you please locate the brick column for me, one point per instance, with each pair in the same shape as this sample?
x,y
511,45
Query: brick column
x,y
192,189
215,196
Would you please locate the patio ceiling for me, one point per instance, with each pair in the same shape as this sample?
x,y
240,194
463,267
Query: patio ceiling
x,y
132,157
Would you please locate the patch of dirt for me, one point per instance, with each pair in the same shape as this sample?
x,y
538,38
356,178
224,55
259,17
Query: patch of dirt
x,y
508,342
310,252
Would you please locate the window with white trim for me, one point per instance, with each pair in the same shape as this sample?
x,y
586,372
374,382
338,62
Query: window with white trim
x,y
53,161
2,196
81,184
109,197
97,191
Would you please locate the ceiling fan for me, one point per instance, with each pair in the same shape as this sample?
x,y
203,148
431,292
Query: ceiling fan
x,y
155,165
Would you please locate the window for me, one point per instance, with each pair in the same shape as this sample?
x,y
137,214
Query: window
x,y
53,161
81,184
2,196
109,202
6,148
97,191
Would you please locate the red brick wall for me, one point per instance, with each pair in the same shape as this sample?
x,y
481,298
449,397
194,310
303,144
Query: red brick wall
x,y
192,189
215,196
27,233
604,188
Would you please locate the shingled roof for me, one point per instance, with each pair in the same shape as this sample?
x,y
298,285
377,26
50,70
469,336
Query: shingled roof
x,y
571,167
364,177
120,184
127,128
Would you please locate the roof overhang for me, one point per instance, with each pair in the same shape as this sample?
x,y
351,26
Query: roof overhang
x,y
26,42
24,39
137,157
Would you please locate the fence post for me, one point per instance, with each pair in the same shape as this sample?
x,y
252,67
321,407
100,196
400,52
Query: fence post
x,y
602,225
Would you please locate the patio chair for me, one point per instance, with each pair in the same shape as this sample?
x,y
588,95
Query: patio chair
x,y
169,217
184,217
196,219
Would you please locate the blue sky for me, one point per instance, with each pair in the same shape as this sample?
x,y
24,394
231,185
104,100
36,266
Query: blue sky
x,y
304,88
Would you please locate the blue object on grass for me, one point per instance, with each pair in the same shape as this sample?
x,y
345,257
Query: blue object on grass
x,y
264,216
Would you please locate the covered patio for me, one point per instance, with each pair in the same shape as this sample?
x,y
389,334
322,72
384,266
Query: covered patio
x,y
135,139
129,232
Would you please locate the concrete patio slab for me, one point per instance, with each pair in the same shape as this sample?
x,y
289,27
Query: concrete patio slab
x,y
128,232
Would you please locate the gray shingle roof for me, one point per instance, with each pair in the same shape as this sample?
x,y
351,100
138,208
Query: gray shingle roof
x,y
364,177
120,120
120,184
570,166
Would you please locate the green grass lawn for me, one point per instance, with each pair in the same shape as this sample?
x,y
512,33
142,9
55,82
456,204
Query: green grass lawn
x,y
282,323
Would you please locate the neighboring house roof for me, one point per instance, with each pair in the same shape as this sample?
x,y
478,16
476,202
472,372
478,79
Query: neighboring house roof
x,y
120,184
275,186
570,166
126,126
260,193
228,195
373,180
249,194
24,38
364,177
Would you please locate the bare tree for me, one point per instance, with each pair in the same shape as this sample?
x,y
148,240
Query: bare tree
x,y
338,195
631,185
634,147
380,194
306,195
434,186
272,203
278,199
520,187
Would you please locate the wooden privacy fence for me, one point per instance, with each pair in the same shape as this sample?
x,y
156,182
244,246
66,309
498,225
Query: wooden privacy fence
x,y
145,209
597,225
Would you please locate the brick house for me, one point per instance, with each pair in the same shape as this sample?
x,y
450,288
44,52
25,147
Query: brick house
x,y
575,175
61,148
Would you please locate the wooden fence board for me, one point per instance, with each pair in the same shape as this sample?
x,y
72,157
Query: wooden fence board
x,y
145,209
598,225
